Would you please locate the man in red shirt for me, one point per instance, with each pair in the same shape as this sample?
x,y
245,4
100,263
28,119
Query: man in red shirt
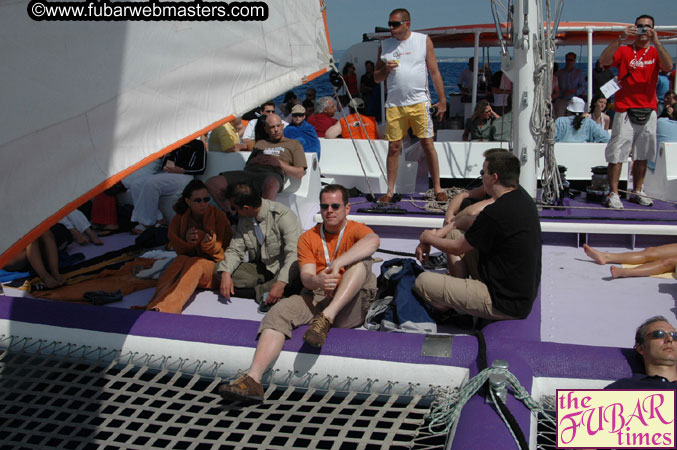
x,y
634,123
325,108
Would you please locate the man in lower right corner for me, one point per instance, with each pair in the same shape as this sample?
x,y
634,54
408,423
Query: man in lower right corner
x,y
656,344
500,252
634,125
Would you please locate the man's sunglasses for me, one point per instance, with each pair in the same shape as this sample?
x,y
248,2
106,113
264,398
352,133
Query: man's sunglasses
x,y
660,334
395,24
334,206
200,200
298,114
643,26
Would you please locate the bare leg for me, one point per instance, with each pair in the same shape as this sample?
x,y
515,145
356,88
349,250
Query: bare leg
x,y
34,254
51,254
428,147
270,188
641,257
216,186
638,172
393,163
348,287
614,170
646,270
456,266
267,350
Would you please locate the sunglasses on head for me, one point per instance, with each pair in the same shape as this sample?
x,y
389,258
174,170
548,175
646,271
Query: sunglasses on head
x,y
660,334
334,206
200,200
396,24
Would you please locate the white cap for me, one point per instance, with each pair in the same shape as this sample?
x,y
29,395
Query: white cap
x,y
576,105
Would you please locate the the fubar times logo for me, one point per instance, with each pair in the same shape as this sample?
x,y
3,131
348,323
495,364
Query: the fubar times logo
x,y
615,419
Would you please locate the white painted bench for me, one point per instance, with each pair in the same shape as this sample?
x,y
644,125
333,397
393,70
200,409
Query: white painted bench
x,y
340,164
661,182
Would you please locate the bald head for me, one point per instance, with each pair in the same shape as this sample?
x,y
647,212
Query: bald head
x,y
274,127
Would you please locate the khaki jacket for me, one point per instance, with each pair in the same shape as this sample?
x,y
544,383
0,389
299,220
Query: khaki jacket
x,y
281,230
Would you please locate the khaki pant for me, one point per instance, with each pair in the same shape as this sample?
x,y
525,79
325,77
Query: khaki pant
x,y
466,295
297,310
256,276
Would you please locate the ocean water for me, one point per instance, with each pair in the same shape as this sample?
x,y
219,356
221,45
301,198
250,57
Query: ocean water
x,y
450,70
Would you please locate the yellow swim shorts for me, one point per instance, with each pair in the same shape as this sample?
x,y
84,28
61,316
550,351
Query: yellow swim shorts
x,y
400,118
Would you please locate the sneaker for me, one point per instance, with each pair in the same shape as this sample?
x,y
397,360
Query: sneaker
x,y
244,389
317,332
613,201
640,199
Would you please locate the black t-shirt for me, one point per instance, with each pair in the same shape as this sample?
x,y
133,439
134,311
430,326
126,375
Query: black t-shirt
x,y
507,235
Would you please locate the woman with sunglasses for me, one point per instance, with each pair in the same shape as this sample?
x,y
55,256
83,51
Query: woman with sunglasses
x,y
198,233
652,260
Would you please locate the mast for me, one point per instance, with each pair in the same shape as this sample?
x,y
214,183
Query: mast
x,y
525,24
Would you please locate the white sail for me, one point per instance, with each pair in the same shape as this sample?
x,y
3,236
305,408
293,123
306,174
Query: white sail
x,y
84,103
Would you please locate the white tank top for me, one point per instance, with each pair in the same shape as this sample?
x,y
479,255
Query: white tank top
x,y
408,83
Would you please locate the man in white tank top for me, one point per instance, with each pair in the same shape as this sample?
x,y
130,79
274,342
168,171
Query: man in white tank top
x,y
405,60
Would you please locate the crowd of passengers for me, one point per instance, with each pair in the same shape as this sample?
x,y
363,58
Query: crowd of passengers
x,y
323,276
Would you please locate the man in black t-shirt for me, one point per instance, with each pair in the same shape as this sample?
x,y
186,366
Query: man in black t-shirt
x,y
655,344
500,252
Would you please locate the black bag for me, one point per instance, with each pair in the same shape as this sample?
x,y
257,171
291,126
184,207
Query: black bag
x,y
639,116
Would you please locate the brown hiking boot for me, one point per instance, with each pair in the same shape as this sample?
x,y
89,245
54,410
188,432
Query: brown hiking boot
x,y
317,332
244,389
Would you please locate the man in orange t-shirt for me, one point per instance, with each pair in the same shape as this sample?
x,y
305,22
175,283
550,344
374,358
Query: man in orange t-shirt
x,y
335,265
351,127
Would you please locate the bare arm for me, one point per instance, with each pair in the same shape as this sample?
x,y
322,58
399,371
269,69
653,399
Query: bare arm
x,y
333,131
607,56
455,205
362,249
663,55
451,246
380,71
292,171
434,70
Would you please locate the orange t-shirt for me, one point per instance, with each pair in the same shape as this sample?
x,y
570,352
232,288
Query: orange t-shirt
x,y
356,128
311,250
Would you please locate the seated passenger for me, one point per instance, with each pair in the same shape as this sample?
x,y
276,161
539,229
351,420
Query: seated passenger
x,y
462,217
323,118
335,264
178,168
198,233
576,127
598,114
501,251
42,256
266,108
655,343
478,126
302,131
267,232
652,260
350,126
501,127
270,162
226,138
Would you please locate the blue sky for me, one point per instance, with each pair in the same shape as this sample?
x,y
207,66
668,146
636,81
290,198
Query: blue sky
x,y
349,19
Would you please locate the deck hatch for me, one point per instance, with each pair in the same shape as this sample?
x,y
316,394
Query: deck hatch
x,y
437,346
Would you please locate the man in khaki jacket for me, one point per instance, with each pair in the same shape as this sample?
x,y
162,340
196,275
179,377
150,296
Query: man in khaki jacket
x,y
267,232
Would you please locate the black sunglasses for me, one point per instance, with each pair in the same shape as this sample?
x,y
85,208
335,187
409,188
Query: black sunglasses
x,y
334,206
298,114
396,24
200,200
481,172
641,25
660,334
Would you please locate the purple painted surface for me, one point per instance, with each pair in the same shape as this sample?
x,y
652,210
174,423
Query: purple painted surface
x,y
580,211
400,347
